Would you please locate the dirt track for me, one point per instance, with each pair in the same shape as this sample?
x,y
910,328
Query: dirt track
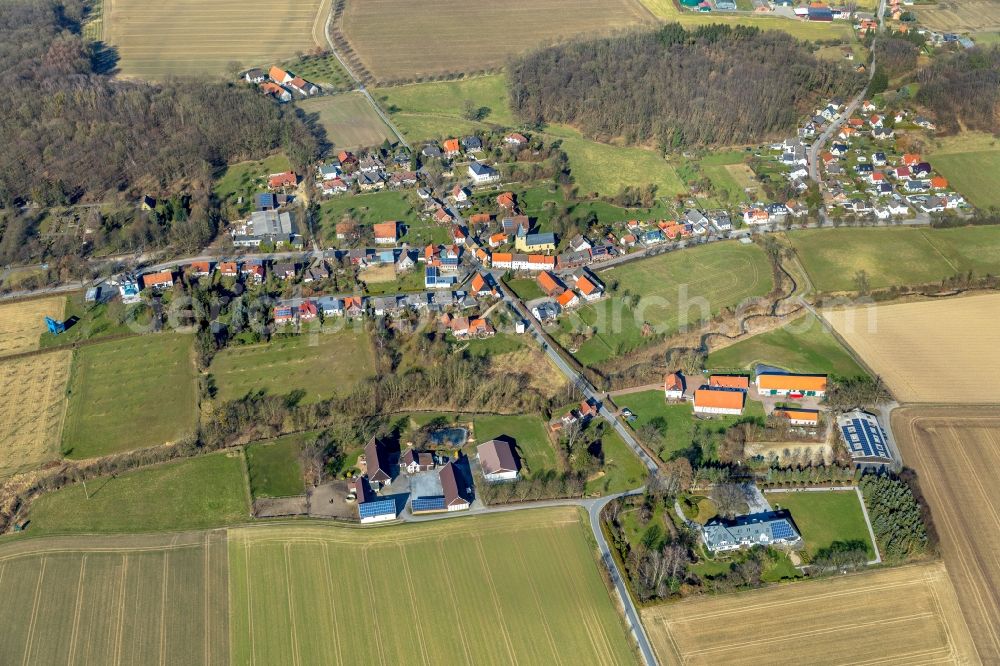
x,y
956,452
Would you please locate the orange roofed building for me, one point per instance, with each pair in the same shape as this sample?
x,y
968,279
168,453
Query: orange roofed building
x,y
789,384
385,233
740,382
708,400
549,284
799,417
451,148
673,386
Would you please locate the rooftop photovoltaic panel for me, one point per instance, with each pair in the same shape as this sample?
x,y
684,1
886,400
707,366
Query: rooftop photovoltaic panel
x,y
377,508
428,504
782,530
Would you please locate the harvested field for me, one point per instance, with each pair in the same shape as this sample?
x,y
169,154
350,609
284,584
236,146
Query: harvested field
x,y
907,345
394,38
22,323
107,600
960,15
502,598
198,38
905,615
32,408
956,452
349,120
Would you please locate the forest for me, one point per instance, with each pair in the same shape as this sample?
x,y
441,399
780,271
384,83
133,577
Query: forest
x,y
713,85
72,134
963,90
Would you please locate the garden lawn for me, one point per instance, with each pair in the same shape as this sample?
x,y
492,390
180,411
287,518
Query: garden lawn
x,y
322,364
802,345
527,289
622,469
130,394
674,420
195,493
86,321
349,120
245,179
367,209
674,288
894,256
528,432
825,517
274,467
499,344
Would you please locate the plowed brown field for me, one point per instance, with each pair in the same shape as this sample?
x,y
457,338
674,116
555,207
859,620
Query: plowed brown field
x,y
956,452
906,615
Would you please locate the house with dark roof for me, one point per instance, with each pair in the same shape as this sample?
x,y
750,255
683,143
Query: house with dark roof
x,y
377,467
773,528
498,460
456,493
481,173
866,439
413,461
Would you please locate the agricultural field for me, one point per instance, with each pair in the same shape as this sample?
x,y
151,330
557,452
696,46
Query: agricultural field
x,y
905,344
391,36
894,256
971,163
824,518
22,323
956,452
802,345
187,37
674,289
116,599
528,431
187,494
965,16
349,120
435,110
913,611
805,30
147,379
502,598
32,408
320,363
274,467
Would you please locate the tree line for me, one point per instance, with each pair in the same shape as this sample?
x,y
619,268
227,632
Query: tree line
x,y
713,85
896,517
962,90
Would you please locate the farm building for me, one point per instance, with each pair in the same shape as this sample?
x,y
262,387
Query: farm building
x,y
589,288
866,439
709,400
568,299
549,283
454,485
673,386
759,529
788,384
740,382
498,460
376,463
413,461
799,417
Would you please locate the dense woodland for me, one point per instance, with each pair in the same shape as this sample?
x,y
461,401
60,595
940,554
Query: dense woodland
x,y
73,134
714,85
963,90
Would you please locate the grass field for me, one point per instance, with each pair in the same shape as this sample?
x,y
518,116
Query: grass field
x,y
366,209
327,595
32,408
971,163
894,256
148,379
676,288
398,40
527,289
650,405
22,323
322,69
906,344
807,30
206,39
965,16
274,467
349,120
91,321
434,110
322,364
802,345
606,169
955,452
912,610
110,599
528,431
622,469
824,518
246,179
194,493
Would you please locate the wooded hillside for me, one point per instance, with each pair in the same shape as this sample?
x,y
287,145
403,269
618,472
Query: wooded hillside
x,y
714,85
963,89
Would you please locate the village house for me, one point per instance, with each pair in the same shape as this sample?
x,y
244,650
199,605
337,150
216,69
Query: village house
x,y
762,529
413,461
456,492
200,268
276,91
158,281
567,299
589,287
281,180
673,386
228,269
376,463
303,87
386,233
498,460
255,76
452,148
516,140
481,173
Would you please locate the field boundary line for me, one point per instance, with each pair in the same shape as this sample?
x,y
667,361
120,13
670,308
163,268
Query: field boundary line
x,y
163,608
932,582
120,621
496,600
253,643
34,614
371,585
413,599
934,247
452,595
328,577
286,551
208,595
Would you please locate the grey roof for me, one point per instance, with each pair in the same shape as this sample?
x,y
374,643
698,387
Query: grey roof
x,y
270,222
497,456
481,169
540,239
755,529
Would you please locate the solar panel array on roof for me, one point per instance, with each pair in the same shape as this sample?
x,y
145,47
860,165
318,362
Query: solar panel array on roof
x,y
381,507
780,529
428,504
865,438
